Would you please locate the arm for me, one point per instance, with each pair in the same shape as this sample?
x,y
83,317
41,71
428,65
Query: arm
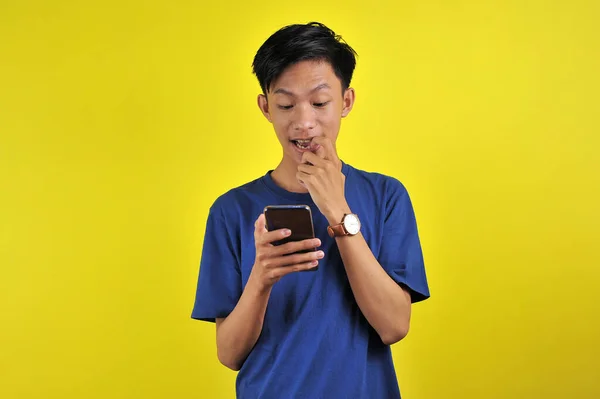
x,y
238,332
384,303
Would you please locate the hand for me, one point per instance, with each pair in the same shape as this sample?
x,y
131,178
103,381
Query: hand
x,y
321,173
273,262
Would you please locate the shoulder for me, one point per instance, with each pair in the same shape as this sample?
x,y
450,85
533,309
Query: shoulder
x,y
237,198
381,183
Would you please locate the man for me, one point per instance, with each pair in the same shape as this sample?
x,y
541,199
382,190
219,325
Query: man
x,y
324,333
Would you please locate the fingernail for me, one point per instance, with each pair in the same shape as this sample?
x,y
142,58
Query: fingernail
x,y
314,262
320,254
317,242
287,232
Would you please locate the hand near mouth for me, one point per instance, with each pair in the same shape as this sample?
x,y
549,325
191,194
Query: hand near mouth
x,y
321,173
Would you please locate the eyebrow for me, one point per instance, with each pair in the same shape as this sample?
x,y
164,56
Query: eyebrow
x,y
289,93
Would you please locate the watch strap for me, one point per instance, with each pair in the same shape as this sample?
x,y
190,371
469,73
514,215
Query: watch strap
x,y
337,230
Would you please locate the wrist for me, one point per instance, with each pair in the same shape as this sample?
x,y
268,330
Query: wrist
x,y
257,288
335,215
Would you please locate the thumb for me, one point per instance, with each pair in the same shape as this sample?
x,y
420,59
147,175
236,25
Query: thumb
x,y
260,226
320,152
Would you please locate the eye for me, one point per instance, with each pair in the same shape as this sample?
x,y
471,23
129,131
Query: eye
x,y
321,105
285,107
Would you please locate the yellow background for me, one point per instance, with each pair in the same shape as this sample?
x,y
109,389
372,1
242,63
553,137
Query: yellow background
x,y
121,121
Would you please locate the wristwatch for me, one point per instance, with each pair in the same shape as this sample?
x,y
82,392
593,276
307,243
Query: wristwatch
x,y
349,226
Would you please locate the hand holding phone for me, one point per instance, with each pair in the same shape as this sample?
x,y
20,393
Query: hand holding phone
x,y
280,251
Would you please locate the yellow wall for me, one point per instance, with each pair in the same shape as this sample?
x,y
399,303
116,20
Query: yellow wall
x,y
121,122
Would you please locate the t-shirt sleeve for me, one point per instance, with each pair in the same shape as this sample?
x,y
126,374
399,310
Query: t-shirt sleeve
x,y
219,280
401,254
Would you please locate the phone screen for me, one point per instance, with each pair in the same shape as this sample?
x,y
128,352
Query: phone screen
x,y
297,218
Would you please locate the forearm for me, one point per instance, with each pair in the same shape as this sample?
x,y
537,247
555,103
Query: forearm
x,y
237,333
383,302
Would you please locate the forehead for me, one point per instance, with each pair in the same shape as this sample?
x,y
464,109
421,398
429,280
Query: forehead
x,y
304,76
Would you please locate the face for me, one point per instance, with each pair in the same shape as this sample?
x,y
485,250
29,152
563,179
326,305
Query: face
x,y
306,101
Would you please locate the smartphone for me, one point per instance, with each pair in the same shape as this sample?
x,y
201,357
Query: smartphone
x,y
297,218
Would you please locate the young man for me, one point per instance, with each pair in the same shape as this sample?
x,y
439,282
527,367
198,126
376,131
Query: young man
x,y
324,333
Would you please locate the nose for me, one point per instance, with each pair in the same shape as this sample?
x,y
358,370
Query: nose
x,y
304,119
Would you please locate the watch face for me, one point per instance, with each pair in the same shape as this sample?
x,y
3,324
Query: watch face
x,y
352,224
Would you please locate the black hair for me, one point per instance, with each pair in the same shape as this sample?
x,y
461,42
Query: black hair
x,y
302,42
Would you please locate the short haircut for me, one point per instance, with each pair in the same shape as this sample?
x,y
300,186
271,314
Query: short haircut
x,y
302,42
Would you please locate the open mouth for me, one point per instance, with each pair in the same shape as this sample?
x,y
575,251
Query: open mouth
x,y
302,144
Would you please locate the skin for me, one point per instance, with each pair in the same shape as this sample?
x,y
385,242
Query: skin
x,y
307,102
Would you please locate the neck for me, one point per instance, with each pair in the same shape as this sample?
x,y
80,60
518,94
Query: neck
x,y
284,176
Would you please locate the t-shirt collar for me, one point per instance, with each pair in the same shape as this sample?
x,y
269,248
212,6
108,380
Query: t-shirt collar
x,y
288,195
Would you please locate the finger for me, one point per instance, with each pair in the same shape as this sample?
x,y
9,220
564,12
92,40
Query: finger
x,y
294,259
307,169
304,179
294,246
260,222
269,237
324,148
302,183
320,151
259,226
284,270
313,159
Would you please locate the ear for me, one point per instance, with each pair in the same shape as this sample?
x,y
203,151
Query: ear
x,y
348,101
263,104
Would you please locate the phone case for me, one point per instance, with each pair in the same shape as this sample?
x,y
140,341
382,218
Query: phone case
x,y
297,218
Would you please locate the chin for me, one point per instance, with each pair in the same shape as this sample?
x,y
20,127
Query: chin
x,y
296,159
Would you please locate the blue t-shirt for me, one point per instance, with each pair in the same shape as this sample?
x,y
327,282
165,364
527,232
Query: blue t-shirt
x,y
315,342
